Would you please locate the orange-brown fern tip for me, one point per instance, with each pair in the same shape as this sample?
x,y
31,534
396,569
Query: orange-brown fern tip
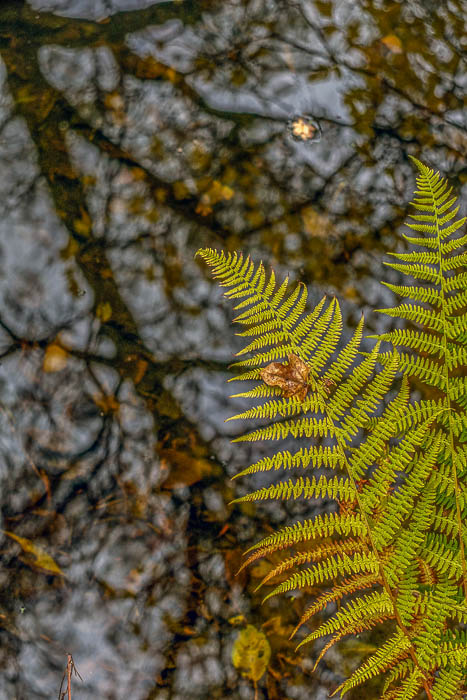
x,y
243,566
294,632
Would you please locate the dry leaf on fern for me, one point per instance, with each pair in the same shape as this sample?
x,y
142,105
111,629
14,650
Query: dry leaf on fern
x,y
291,378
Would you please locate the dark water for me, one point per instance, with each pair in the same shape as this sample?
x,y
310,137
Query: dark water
x,y
131,134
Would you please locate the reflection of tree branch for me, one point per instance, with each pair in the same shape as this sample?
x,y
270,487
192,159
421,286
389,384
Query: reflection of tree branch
x,y
365,71
8,331
317,197
185,208
70,204
77,33
136,66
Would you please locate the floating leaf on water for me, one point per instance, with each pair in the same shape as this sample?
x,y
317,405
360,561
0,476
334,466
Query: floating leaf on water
x,y
42,560
251,653
304,129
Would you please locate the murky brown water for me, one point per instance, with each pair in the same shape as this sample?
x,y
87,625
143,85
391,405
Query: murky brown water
x,y
131,134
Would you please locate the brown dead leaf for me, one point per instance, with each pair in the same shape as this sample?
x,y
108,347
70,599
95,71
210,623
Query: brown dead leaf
x,y
291,378
42,560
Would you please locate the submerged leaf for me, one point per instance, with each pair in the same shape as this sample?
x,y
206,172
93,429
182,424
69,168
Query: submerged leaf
x,y
251,653
55,358
392,43
42,560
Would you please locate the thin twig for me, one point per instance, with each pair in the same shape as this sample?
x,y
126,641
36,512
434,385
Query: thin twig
x,y
68,673
70,668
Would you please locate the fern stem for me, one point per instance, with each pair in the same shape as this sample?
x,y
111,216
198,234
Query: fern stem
x,y
446,377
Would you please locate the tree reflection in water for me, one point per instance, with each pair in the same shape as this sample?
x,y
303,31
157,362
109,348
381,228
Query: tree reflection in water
x,y
129,138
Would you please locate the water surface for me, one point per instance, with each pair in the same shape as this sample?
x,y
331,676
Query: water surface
x,y
131,134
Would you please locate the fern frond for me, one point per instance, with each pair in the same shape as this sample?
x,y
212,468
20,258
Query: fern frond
x,y
451,683
410,686
316,456
442,310
340,488
399,505
427,295
400,670
337,593
429,319
392,651
283,408
421,367
420,272
321,526
364,613
303,427
327,570
393,547
319,552
372,397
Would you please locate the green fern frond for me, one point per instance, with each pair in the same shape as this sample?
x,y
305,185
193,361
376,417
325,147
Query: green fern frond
x,y
336,488
441,309
420,272
423,368
393,545
327,571
321,526
451,682
304,427
427,295
399,670
429,319
399,505
391,652
283,408
410,686
316,456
